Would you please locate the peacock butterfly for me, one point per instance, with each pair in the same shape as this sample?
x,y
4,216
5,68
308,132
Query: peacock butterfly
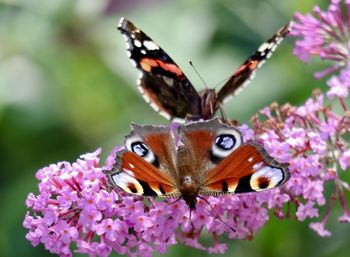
x,y
201,158
166,88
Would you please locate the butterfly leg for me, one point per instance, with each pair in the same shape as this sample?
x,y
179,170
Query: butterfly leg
x,y
225,118
173,202
223,113
149,201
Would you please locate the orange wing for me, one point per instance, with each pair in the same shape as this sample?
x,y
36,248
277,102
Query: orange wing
x,y
135,175
200,137
146,166
248,169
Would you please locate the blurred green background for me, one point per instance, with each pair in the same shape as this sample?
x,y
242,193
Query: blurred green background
x,y
67,88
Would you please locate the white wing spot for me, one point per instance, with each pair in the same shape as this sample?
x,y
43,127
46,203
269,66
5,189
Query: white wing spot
x,y
137,43
155,107
169,81
120,22
228,98
261,63
147,99
258,166
165,115
139,87
150,45
239,90
126,38
129,172
263,47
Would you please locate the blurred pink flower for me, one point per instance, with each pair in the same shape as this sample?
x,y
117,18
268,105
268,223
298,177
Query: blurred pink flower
x,y
344,160
324,34
319,228
340,85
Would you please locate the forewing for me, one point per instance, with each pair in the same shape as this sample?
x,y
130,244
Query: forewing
x,y
201,136
248,169
246,71
162,83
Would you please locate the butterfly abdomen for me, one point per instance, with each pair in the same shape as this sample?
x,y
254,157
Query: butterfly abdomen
x,y
188,183
189,189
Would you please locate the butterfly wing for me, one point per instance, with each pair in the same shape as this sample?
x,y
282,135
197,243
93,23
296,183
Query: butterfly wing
x,y
146,166
225,165
162,83
247,169
246,71
200,138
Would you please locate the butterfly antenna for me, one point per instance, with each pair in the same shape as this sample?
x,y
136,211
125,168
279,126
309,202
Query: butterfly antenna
x,y
221,82
214,215
195,70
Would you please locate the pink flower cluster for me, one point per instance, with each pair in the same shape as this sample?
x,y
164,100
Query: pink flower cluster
x,y
76,207
326,35
311,139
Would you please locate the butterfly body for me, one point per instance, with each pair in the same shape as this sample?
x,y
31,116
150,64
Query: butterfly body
x,y
202,158
166,88
209,104
188,184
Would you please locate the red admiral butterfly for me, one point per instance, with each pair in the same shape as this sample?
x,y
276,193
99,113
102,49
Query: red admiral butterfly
x,y
209,158
165,87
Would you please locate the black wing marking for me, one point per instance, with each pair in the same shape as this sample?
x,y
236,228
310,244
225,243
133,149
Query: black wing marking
x,y
162,83
246,71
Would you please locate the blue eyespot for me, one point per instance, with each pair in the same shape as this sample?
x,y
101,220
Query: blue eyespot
x,y
225,142
139,148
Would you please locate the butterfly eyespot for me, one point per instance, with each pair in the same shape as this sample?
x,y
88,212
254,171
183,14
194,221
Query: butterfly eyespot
x,y
266,178
127,182
263,182
139,148
225,143
132,187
